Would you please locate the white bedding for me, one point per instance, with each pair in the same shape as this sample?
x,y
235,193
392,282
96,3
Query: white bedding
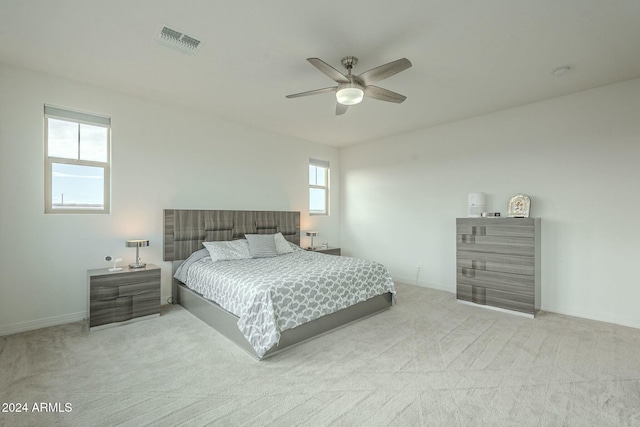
x,y
270,295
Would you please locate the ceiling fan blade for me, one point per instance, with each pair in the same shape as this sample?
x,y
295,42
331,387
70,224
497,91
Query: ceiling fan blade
x,y
313,92
376,92
341,109
383,71
327,69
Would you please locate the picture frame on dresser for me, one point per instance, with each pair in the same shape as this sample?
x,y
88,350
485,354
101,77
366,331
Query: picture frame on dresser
x,y
519,206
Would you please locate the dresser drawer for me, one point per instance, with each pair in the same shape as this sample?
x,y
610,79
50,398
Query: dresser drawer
x,y
514,283
496,262
494,298
511,301
476,294
507,227
496,244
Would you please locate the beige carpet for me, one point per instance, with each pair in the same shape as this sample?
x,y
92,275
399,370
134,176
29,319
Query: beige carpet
x,y
428,361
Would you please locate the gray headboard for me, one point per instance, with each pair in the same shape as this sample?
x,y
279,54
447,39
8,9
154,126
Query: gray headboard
x,y
185,230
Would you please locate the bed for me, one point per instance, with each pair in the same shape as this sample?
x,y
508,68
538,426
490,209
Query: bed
x,y
274,318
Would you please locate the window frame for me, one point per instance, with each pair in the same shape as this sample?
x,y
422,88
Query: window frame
x,y
51,112
325,165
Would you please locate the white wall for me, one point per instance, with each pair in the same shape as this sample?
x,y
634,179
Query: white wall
x,y
162,157
576,156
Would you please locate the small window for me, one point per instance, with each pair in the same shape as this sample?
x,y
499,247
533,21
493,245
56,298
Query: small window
x,y
318,187
77,166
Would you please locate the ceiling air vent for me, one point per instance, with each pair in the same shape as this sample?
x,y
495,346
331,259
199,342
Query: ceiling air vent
x,y
177,40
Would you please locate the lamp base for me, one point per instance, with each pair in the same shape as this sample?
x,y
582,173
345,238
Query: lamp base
x,y
138,265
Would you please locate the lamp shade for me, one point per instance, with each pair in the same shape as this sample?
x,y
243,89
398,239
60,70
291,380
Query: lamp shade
x,y
349,95
312,233
137,243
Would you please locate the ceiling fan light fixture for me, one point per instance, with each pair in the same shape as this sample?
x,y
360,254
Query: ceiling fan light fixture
x,y
349,95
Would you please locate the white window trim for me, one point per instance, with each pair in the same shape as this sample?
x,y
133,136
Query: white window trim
x,y
51,112
323,164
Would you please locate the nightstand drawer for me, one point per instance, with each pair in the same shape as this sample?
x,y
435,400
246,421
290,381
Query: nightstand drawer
x,y
134,289
146,304
99,292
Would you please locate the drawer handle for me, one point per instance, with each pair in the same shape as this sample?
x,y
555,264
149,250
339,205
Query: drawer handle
x,y
479,230
478,265
468,272
468,238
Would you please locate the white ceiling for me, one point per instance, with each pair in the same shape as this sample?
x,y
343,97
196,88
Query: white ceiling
x,y
469,57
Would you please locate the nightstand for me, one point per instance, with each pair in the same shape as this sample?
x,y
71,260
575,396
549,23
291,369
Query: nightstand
x,y
327,251
120,296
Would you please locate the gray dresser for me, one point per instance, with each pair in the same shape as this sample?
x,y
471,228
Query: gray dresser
x,y
498,262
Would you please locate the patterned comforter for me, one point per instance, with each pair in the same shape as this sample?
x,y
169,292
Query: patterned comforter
x,y
270,295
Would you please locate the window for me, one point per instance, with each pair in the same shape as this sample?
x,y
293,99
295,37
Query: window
x,y
318,187
77,167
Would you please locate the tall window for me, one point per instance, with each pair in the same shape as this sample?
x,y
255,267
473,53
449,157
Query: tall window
x,y
77,161
318,187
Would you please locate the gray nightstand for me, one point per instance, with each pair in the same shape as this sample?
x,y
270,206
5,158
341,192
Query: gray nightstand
x,y
120,296
327,251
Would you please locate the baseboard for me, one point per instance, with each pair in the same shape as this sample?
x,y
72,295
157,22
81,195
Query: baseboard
x,y
31,325
632,323
418,282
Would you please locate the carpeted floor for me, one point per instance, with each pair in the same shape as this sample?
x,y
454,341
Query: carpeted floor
x,y
428,361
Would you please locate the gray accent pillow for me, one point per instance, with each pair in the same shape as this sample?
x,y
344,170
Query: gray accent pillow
x,y
262,245
228,250
282,245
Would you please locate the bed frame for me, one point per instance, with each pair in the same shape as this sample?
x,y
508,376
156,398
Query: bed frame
x,y
184,232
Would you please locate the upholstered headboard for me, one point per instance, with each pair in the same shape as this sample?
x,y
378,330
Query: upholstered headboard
x,y
185,230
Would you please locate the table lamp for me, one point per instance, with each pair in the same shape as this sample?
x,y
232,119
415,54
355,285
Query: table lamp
x,y
312,234
137,244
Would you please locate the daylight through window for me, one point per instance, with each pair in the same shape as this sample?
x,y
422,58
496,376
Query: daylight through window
x,y
77,161
318,187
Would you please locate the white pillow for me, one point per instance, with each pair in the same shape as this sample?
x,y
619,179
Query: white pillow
x,y
262,245
228,250
282,245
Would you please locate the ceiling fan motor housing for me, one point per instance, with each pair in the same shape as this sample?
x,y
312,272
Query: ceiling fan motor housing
x,y
349,62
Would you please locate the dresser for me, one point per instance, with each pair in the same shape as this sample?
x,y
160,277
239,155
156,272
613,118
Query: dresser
x,y
119,296
498,263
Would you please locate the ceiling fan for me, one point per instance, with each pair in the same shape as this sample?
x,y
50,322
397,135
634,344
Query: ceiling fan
x,y
351,89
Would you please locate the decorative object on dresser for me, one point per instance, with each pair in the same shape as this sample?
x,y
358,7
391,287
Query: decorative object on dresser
x,y
519,206
328,250
312,234
137,244
120,296
115,263
477,204
498,263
